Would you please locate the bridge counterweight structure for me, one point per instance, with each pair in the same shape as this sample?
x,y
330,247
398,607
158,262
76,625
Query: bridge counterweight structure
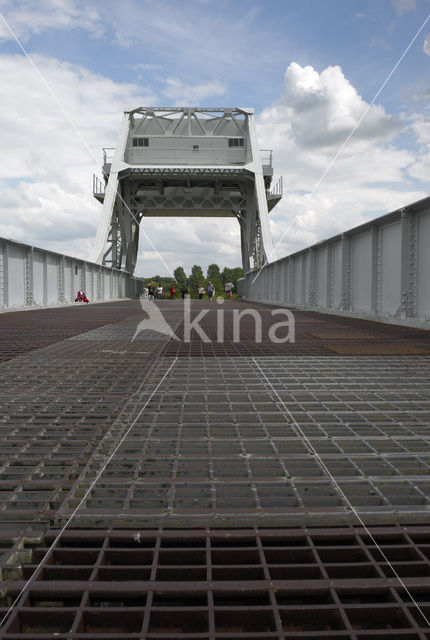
x,y
196,162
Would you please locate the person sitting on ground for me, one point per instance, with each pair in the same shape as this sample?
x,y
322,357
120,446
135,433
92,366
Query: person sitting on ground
x,y
81,297
211,291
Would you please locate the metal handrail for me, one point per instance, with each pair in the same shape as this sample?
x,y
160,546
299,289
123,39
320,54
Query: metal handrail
x,y
108,157
99,186
277,189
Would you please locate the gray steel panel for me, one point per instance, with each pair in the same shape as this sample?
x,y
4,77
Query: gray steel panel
x,y
38,267
321,294
306,259
16,276
362,273
68,281
423,265
52,292
337,284
298,278
391,268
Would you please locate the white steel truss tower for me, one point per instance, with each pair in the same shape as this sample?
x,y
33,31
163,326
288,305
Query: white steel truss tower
x,y
185,162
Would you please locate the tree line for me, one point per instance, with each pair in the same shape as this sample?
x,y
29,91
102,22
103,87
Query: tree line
x,y
196,277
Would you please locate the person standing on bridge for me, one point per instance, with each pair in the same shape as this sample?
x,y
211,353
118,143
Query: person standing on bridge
x,y
160,292
211,291
172,292
201,291
150,292
228,288
184,291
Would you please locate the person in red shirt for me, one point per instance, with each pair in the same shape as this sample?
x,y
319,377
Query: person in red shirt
x,y
81,297
172,292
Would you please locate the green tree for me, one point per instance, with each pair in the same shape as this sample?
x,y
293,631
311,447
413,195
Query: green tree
x,y
237,273
196,278
226,275
165,282
180,276
213,272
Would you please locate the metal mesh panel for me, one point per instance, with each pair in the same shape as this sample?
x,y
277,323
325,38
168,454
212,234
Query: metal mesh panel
x,y
281,583
218,450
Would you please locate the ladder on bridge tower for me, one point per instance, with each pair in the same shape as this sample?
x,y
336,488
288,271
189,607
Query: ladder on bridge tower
x,y
197,162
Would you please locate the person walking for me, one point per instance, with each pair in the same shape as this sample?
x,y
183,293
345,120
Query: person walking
x,y
228,287
150,292
201,292
211,291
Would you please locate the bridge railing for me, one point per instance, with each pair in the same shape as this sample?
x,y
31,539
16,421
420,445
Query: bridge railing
x,y
277,189
31,277
108,154
99,186
379,270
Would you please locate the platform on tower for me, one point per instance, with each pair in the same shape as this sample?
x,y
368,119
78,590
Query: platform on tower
x,y
185,162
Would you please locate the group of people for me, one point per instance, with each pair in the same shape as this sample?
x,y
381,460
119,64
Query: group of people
x,y
152,292
228,288
158,293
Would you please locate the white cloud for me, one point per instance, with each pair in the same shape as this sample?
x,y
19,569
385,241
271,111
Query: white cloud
x,y
403,6
327,107
420,127
426,47
188,241
25,17
46,175
306,127
146,66
181,93
45,193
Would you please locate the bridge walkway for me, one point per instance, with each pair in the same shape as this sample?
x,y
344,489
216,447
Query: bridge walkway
x,y
156,488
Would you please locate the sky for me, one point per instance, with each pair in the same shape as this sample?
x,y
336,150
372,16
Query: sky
x,y
312,69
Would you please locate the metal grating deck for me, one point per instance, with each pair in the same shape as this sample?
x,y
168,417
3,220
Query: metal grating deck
x,y
209,584
216,445
232,480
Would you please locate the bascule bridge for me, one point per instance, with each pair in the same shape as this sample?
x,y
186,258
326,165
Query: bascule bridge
x,y
180,161
251,489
